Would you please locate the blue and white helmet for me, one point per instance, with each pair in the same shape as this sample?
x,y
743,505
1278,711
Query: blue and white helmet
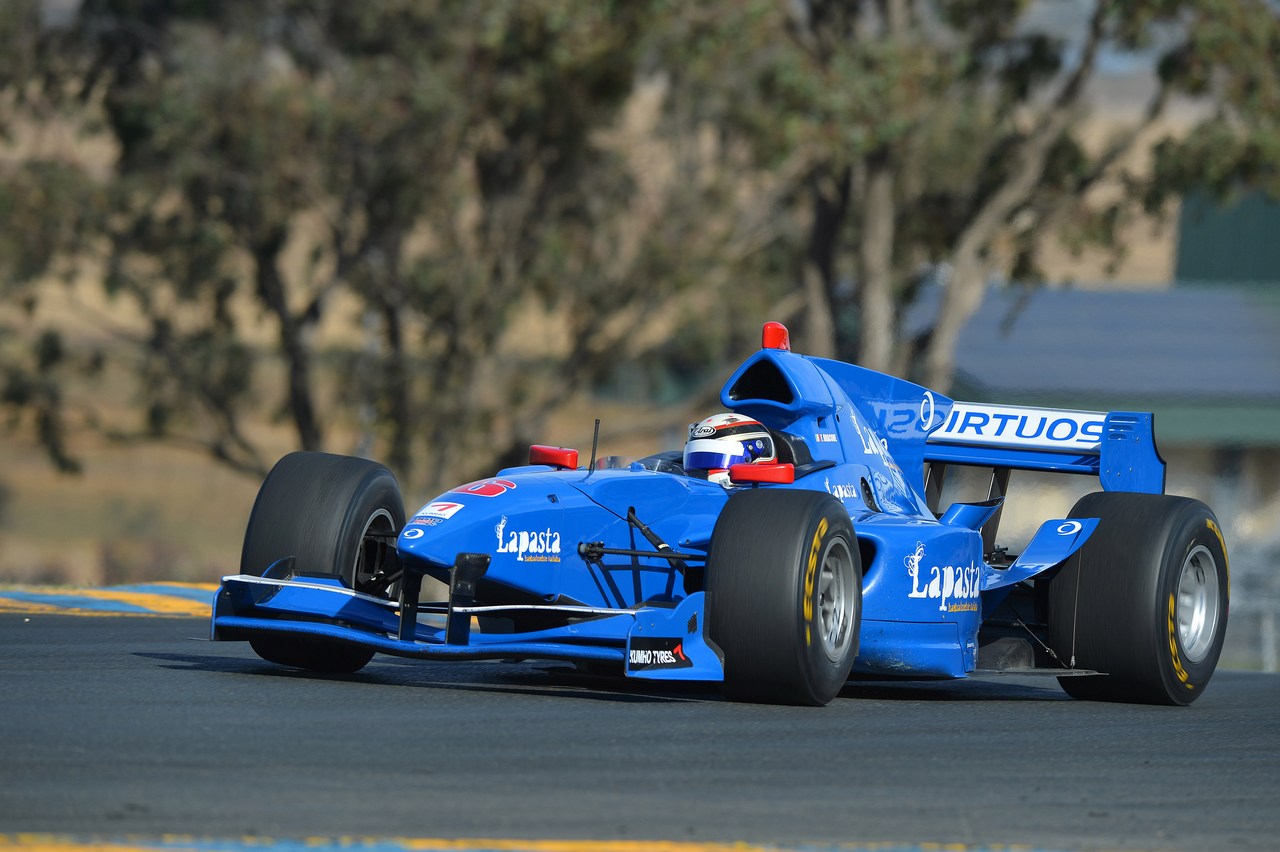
x,y
722,440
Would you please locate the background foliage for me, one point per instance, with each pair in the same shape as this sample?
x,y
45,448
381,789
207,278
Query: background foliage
x,y
422,225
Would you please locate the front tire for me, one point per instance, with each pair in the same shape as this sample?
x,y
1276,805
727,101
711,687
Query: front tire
x,y
1144,600
784,596
336,516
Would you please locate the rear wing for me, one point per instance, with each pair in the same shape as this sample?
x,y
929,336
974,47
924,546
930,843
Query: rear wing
x,y
1117,447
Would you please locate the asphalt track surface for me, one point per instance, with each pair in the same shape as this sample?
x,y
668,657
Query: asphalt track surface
x,y
131,730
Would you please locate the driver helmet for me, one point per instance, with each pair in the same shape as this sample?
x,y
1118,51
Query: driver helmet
x,y
722,440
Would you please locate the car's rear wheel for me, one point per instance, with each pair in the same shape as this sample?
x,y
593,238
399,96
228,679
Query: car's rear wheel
x,y
784,596
336,516
1144,600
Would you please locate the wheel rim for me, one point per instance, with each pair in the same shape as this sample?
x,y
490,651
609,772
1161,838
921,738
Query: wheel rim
x,y
836,600
369,569
1198,603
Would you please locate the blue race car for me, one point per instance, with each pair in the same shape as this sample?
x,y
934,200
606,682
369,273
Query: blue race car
x,y
796,541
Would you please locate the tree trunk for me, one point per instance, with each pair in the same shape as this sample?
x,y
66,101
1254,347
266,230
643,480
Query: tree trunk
x,y
964,292
293,346
820,336
960,300
875,260
830,195
397,389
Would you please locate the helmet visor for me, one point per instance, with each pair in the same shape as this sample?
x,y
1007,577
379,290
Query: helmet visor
x,y
713,454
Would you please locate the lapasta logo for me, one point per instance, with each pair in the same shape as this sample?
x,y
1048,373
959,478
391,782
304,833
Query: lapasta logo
x,y
842,492
528,545
956,588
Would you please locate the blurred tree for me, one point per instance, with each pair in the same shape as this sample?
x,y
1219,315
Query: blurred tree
x,y
414,178
440,161
41,206
940,138
46,207
485,191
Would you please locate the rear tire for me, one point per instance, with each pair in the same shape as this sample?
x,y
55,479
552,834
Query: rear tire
x,y
1144,600
336,516
784,596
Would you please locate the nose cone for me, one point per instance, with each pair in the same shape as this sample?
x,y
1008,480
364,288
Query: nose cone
x,y
519,521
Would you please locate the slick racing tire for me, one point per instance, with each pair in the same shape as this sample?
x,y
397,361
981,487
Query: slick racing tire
x,y
784,596
335,516
1143,601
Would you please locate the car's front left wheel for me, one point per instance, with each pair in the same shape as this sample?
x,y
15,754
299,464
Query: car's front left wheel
x,y
784,596
335,515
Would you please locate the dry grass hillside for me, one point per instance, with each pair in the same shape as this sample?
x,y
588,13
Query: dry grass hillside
x,y
153,512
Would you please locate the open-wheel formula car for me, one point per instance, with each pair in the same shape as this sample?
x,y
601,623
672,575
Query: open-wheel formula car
x,y
812,550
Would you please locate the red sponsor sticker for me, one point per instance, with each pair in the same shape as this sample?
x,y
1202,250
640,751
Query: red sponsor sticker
x,y
440,509
486,487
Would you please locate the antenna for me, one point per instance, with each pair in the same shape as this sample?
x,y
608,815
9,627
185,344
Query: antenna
x,y
595,443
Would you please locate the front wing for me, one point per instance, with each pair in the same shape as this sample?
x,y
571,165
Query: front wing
x,y
660,642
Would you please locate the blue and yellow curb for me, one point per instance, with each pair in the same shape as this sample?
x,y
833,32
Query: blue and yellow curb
x,y
173,843
175,600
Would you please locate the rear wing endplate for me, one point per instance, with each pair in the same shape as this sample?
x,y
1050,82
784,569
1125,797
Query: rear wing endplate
x,y
1117,447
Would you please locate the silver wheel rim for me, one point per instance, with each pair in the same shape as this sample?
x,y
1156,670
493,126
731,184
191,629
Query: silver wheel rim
x,y
380,523
836,600
1197,612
